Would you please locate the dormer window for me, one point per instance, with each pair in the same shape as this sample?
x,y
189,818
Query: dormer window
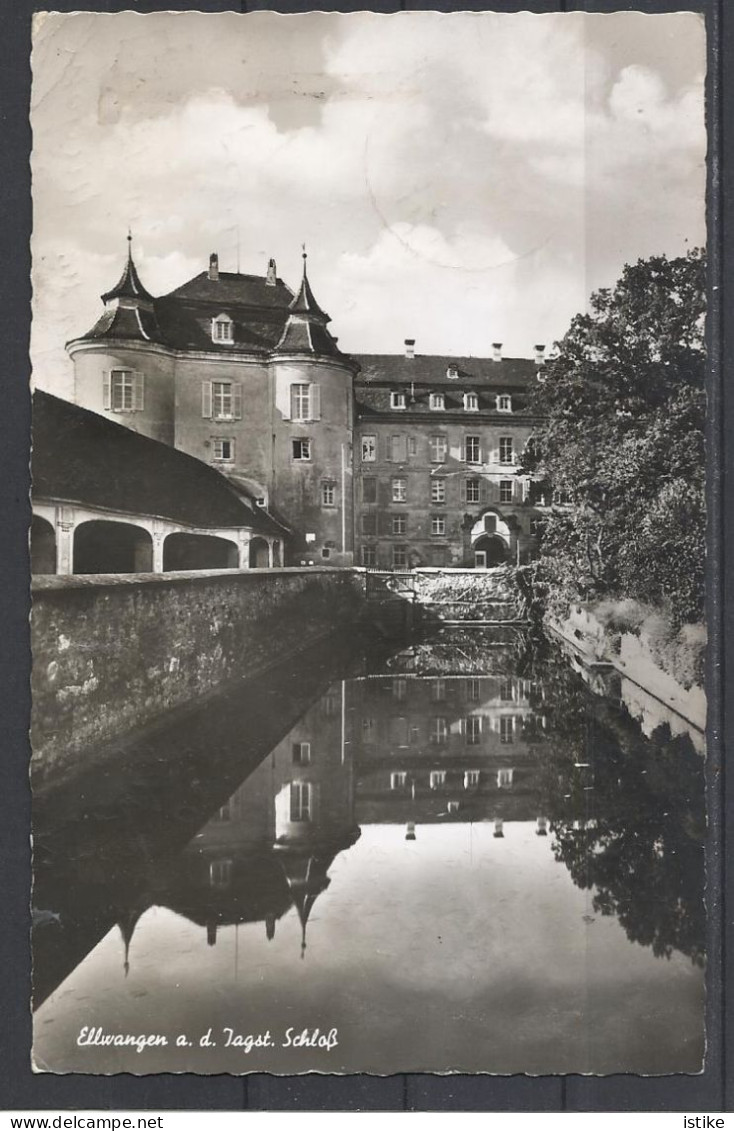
x,y
398,400
222,329
437,401
471,402
504,404
452,372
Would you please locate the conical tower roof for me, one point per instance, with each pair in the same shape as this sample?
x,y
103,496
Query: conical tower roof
x,y
304,302
128,285
305,331
129,313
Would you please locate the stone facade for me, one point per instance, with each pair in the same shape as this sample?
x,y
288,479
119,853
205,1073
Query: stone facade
x,y
388,461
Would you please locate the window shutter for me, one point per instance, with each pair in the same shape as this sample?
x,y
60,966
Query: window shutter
x,y
107,390
463,726
463,490
138,392
206,399
237,402
484,491
315,402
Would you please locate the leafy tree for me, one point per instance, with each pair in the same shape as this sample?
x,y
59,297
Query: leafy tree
x,y
622,442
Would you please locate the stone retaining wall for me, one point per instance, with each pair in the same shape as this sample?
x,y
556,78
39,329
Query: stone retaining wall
x,y
113,653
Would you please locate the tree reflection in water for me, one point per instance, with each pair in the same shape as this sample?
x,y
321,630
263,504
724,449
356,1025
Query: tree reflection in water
x,y
627,814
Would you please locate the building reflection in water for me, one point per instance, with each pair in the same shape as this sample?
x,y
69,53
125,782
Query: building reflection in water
x,y
270,846
412,750
396,750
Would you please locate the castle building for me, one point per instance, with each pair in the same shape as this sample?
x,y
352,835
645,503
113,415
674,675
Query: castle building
x,y
389,461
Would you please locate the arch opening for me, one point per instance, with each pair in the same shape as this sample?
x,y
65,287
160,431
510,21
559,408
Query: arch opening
x,y
43,546
112,547
259,554
490,550
198,551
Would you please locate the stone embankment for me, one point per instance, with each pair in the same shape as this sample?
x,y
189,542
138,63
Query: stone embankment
x,y
596,646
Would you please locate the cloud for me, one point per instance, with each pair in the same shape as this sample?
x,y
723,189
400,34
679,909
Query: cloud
x,y
457,178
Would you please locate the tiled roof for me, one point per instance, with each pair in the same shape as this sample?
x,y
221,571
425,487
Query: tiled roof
x,y
188,325
130,324
307,337
397,369
81,457
234,289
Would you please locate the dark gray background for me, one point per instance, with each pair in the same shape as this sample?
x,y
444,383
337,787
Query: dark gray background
x,y
20,1088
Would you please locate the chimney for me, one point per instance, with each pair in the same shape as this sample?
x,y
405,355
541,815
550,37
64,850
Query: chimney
x,y
410,347
214,266
539,355
272,276
496,351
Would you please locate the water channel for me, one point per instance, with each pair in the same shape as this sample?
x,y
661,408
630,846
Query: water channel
x,y
449,856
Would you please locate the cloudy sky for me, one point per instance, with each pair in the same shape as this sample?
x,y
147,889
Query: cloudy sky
x,y
459,179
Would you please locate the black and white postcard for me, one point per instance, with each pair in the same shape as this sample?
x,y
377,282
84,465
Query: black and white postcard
x,y
368,543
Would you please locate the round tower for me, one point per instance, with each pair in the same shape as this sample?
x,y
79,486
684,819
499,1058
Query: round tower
x,y
122,368
312,418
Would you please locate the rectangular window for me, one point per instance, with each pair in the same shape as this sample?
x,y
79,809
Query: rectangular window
x,y
473,690
369,731
506,453
471,402
222,330
300,402
369,524
369,490
222,400
507,691
398,400
399,688
302,449
369,449
328,494
126,391
473,489
412,446
220,873
301,798
505,490
437,778
399,490
398,779
369,557
399,523
471,449
439,732
223,450
507,729
504,404
397,449
504,778
400,557
438,690
439,449
438,490
301,753
536,526
473,730
471,778
437,401
438,524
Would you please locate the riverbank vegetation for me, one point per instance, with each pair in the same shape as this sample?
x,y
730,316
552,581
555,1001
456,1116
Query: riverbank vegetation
x,y
621,455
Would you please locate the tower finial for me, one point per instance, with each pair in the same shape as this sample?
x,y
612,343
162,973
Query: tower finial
x,y
304,256
129,242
